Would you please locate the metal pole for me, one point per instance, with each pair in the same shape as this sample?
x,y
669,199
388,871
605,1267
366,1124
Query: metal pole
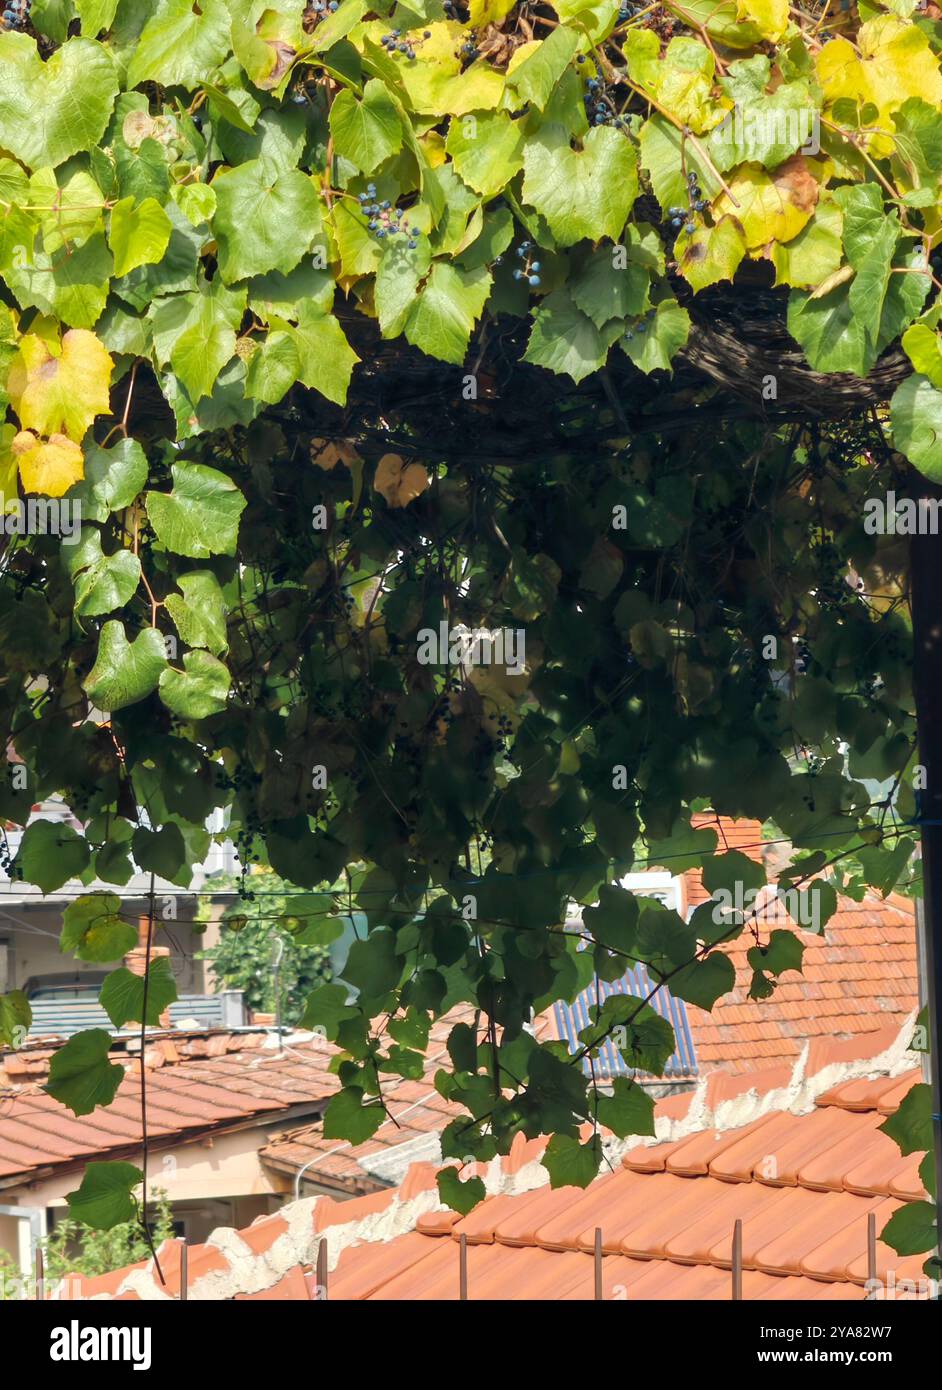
x,y
463,1267
598,1262
737,1260
184,1269
926,558
278,952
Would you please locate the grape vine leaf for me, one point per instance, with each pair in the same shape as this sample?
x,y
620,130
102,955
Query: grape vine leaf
x,y
80,1074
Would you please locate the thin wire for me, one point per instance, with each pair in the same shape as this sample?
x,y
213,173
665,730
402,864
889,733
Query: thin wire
x,y
656,860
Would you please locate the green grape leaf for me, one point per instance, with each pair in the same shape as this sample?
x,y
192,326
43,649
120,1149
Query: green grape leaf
x,y
124,672
113,478
325,358
273,368
710,254
199,690
570,1163
815,253
628,1111
486,150
104,1198
50,854
366,131
783,951
584,193
916,419
52,110
160,851
122,994
461,1196
326,1009
80,1074
16,1017
96,15
923,346
653,345
565,340
535,78
139,234
912,1229
199,611
102,582
348,1117
265,219
200,517
93,929
610,285
703,982
910,1127
443,315
181,43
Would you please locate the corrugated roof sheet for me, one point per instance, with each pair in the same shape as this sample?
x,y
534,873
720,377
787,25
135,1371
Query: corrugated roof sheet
x,y
571,1019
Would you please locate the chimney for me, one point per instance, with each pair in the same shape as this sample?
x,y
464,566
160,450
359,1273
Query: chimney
x,y
136,962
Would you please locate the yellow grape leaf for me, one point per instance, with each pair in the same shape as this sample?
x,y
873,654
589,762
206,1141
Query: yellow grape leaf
x,y
899,63
685,85
816,252
49,466
484,12
399,482
521,54
895,63
710,254
60,392
8,493
436,85
769,16
771,207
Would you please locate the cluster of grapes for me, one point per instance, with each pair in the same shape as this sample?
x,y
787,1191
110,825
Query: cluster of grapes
x,y
393,42
696,202
599,107
15,14
407,749
452,10
505,731
530,271
8,861
385,220
642,325
627,12
469,49
316,11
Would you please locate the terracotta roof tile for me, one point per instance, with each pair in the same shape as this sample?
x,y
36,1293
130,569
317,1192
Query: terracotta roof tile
x,y
862,965
37,1132
803,1186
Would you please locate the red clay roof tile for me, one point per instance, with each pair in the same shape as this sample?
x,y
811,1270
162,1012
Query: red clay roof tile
x,y
803,1186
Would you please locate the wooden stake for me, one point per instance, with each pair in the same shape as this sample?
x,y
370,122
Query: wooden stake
x,y
40,1275
871,1252
321,1270
737,1260
463,1267
184,1269
598,1262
